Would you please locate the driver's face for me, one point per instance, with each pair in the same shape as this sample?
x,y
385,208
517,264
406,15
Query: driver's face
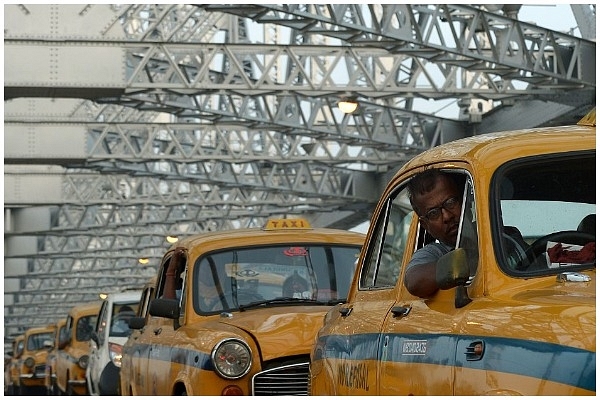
x,y
444,228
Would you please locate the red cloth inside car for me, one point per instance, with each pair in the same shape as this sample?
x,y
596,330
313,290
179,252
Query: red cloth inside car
x,y
560,254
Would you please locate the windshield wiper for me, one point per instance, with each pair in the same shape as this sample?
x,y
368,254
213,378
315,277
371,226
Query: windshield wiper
x,y
283,301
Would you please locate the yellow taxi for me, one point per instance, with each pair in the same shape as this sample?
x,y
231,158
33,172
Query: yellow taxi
x,y
12,386
515,308
32,366
73,349
236,312
50,377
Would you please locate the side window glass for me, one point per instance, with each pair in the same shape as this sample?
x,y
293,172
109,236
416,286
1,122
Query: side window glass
x,y
69,330
20,347
181,290
102,321
172,278
468,238
163,277
383,263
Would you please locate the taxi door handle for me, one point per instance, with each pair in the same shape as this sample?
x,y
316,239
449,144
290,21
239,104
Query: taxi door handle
x,y
157,331
401,311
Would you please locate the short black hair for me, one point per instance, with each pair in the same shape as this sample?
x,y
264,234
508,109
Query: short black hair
x,y
424,182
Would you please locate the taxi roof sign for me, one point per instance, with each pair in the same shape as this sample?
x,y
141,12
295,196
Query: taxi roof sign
x,y
286,224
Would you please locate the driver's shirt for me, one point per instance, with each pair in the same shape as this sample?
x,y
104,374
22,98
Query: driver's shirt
x,y
428,254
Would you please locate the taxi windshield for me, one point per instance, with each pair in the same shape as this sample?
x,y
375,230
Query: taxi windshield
x,y
36,341
546,214
273,275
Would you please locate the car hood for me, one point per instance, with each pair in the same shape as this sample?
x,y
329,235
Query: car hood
x,y
280,331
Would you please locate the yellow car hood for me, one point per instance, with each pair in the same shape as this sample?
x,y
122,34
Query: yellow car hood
x,y
280,331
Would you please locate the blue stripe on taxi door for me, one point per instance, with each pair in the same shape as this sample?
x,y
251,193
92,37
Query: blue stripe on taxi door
x,y
545,361
195,359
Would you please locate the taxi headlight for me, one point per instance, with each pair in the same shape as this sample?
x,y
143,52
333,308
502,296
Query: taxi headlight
x,y
232,358
30,362
83,361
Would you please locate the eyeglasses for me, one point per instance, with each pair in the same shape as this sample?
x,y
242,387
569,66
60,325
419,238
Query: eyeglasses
x,y
435,213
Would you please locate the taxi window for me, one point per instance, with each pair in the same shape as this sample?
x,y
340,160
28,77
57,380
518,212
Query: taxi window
x,y
384,258
545,211
36,341
383,262
85,327
68,332
62,332
122,312
102,321
273,275
147,295
172,282
468,238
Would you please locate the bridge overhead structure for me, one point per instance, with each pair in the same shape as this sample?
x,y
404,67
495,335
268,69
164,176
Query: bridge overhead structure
x,y
125,124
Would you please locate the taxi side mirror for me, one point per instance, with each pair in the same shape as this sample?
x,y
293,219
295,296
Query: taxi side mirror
x,y
452,270
166,308
136,322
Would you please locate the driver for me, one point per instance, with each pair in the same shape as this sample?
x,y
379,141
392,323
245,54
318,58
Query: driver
x,y
295,286
435,197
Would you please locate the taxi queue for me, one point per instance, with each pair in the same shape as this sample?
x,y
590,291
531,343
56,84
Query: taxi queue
x,y
288,309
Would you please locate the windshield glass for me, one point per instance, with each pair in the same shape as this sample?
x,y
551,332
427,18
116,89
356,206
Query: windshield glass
x,y
547,214
36,341
231,279
121,313
85,327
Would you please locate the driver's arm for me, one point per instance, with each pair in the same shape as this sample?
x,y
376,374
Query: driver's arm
x,y
419,280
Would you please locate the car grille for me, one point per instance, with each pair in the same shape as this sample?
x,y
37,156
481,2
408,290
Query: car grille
x,y
39,370
288,380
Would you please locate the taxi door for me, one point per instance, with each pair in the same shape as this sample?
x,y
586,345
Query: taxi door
x,y
349,342
158,368
131,368
418,339
159,335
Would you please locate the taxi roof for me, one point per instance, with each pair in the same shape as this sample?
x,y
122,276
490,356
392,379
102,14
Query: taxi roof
x,y
85,309
256,236
492,149
38,329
